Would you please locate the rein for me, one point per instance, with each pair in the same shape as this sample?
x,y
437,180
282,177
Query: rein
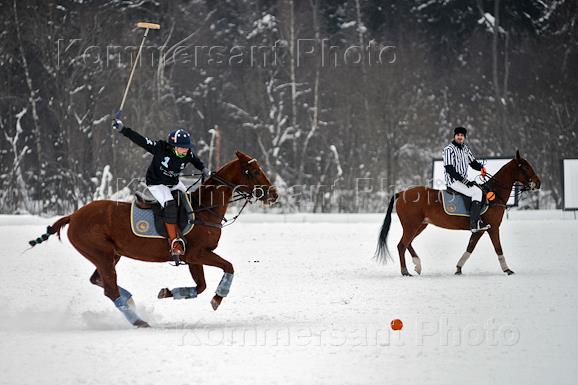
x,y
239,195
518,192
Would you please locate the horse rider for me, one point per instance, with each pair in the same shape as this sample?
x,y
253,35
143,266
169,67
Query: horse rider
x,y
457,157
169,159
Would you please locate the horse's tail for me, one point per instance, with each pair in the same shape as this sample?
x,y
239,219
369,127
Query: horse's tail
x,y
382,253
54,229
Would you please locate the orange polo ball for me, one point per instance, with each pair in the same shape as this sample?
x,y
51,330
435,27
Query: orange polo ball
x,y
491,196
396,324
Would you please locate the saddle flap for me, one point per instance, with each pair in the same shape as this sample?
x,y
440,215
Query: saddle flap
x,y
455,203
150,224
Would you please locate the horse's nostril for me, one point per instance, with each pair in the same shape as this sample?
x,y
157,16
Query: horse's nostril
x,y
273,196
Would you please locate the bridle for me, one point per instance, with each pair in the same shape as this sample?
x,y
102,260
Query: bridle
x,y
239,194
530,186
518,192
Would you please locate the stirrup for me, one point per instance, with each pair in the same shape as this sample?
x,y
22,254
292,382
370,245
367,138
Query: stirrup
x,y
175,253
481,227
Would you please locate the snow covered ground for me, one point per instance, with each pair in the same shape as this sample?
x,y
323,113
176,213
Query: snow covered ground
x,y
307,306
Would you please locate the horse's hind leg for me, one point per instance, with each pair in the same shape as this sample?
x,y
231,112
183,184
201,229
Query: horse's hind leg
x,y
198,275
471,246
401,247
95,277
105,262
414,256
121,297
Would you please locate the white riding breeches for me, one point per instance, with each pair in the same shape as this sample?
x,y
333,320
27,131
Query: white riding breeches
x,y
163,194
473,192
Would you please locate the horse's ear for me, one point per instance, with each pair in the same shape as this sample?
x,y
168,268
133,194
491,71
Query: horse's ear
x,y
242,156
518,156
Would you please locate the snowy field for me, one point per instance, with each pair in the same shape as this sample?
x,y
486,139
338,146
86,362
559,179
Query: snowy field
x,y
307,306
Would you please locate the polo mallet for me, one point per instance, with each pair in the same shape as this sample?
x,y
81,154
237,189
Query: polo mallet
x,y
146,26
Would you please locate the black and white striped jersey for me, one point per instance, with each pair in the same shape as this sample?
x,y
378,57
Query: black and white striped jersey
x,y
460,157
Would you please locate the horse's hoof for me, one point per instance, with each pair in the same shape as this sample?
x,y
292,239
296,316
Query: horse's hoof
x,y
509,272
406,274
458,271
165,293
418,271
141,324
216,301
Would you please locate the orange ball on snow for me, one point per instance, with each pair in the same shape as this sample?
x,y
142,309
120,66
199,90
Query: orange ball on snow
x,y
396,324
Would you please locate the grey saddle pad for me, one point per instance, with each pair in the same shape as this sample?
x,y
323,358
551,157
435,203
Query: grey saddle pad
x,y
142,221
457,204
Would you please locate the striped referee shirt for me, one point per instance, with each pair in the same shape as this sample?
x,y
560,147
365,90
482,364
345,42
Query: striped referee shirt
x,y
460,157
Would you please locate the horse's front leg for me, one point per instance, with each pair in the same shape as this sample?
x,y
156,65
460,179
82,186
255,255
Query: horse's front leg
x,y
495,236
198,275
471,246
210,258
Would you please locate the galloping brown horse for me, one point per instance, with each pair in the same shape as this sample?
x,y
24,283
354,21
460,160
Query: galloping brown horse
x,y
421,206
101,232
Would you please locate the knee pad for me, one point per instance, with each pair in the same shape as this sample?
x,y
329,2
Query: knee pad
x,y
170,212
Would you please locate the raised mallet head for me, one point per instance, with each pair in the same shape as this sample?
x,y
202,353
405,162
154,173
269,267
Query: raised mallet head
x,y
146,26
142,24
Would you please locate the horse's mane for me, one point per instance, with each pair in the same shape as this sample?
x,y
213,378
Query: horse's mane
x,y
497,180
210,181
504,168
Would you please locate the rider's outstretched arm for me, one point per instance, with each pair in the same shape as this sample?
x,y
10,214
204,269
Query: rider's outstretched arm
x,y
138,139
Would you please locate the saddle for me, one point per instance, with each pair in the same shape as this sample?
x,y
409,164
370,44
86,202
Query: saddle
x,y
145,215
455,203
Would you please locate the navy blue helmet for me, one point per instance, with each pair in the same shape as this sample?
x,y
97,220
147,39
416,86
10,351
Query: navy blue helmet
x,y
180,138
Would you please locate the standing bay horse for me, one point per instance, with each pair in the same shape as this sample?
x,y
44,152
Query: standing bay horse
x,y
101,232
420,206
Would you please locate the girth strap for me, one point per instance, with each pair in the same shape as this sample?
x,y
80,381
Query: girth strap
x,y
202,223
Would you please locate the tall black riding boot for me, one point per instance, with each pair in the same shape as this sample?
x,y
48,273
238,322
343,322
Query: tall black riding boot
x,y
475,223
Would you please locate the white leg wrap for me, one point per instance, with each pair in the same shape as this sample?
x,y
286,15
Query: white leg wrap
x,y
464,259
417,264
503,263
224,285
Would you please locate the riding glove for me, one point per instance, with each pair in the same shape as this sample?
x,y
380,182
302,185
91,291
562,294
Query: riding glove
x,y
206,173
117,124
